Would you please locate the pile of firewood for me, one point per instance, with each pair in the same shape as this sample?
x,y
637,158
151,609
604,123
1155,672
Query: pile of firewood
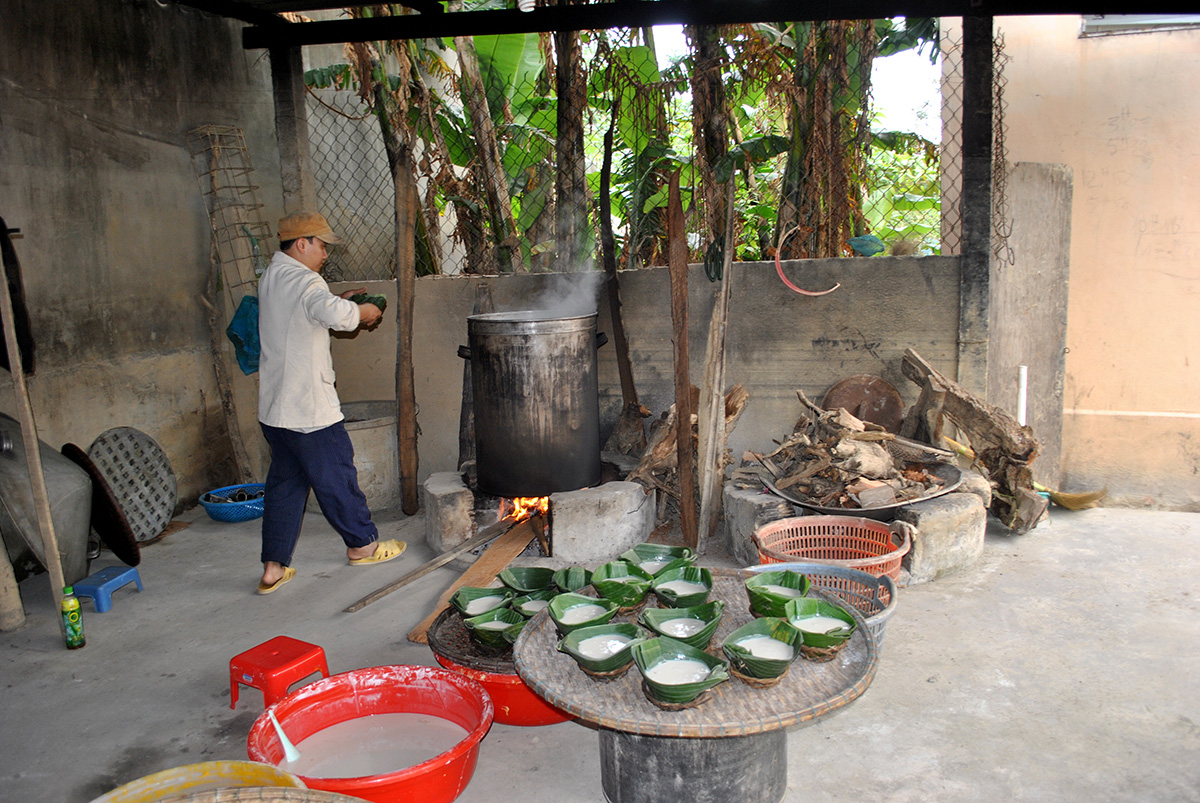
x,y
834,460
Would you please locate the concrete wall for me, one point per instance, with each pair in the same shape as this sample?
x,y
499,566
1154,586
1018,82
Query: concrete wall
x,y
1028,312
1121,112
778,341
97,101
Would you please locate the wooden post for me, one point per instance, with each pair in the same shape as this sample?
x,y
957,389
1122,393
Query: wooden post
x,y
711,426
406,289
12,612
678,269
973,298
291,129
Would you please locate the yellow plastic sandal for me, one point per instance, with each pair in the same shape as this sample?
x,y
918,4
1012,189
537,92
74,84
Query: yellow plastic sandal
x,y
288,574
385,551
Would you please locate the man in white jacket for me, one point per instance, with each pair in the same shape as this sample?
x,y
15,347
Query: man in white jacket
x,y
298,406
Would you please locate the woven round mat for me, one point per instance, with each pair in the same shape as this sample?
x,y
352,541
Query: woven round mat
x,y
449,638
808,692
142,482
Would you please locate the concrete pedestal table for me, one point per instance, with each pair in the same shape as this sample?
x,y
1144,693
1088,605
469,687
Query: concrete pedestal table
x,y
731,747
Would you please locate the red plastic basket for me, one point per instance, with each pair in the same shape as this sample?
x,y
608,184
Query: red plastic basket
x,y
855,543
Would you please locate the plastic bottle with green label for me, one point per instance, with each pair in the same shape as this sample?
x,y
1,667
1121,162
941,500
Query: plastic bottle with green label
x,y
72,619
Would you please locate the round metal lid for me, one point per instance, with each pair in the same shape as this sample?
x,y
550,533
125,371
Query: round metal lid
x,y
136,469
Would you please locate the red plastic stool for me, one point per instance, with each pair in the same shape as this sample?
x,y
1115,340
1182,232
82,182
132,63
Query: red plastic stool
x,y
274,666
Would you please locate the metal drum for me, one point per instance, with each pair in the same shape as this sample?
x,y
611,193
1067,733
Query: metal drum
x,y
537,416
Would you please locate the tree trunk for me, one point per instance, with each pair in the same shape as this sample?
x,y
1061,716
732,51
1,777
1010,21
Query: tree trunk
x,y
571,190
710,123
495,184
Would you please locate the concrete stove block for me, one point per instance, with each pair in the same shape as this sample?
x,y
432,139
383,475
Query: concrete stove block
x,y
950,535
745,511
976,483
449,511
595,525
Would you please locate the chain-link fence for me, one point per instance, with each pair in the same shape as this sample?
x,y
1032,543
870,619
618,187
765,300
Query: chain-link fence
x,y
556,151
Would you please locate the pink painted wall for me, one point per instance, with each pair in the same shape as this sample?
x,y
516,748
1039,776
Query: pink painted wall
x,y
1122,112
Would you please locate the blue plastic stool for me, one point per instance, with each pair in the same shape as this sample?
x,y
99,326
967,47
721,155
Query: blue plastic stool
x,y
100,586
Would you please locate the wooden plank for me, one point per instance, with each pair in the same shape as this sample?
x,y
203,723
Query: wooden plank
x,y
482,572
711,427
484,536
677,268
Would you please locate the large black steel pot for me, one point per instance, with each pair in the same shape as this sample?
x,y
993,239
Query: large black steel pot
x,y
537,417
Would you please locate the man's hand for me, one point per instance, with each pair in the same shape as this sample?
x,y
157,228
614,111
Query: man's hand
x,y
349,293
368,315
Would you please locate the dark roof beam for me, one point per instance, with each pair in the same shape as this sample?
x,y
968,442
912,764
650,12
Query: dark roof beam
x,y
636,14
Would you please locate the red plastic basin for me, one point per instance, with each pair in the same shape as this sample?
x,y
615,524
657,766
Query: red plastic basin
x,y
515,703
384,690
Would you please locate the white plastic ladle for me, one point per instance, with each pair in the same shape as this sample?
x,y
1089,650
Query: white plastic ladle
x,y
289,750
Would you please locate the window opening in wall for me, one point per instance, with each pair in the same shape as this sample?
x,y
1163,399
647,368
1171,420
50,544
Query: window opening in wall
x,y
1110,24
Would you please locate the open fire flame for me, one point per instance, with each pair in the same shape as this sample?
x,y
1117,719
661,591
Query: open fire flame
x,y
522,507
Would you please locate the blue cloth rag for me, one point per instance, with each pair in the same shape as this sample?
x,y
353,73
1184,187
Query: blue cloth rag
x,y
243,333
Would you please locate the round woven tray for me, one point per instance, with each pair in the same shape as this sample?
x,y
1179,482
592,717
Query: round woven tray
x,y
806,693
449,638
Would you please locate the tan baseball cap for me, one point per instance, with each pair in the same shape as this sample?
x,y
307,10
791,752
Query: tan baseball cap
x,y
306,224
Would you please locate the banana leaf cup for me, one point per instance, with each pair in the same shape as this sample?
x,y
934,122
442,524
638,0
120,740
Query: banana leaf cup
x,y
623,583
766,598
650,654
526,579
467,600
659,619
672,586
760,667
513,632
560,608
820,646
488,628
603,651
528,605
657,558
572,578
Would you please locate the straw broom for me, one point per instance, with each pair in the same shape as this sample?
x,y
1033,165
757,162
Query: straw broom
x,y
1070,501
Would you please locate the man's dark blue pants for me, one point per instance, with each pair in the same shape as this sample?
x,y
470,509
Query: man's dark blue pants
x,y
323,461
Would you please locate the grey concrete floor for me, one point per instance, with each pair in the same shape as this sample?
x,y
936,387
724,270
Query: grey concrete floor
x,y
1061,667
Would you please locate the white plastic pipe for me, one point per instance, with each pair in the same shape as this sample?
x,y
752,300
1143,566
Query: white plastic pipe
x,y
1022,392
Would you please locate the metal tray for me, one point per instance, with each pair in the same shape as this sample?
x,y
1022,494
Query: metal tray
x,y
949,473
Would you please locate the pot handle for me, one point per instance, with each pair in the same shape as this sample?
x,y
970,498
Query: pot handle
x,y
601,339
464,352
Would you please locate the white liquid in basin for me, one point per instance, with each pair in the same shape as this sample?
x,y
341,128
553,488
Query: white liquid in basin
x,y
534,605
820,624
677,671
782,591
625,578
767,647
581,613
495,624
683,587
598,647
682,626
374,745
483,605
